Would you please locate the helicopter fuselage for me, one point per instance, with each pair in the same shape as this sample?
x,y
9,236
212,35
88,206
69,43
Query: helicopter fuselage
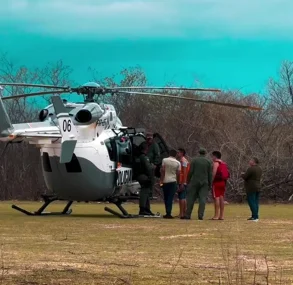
x,y
90,176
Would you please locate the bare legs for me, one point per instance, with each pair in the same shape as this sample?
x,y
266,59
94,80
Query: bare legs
x,y
219,208
182,207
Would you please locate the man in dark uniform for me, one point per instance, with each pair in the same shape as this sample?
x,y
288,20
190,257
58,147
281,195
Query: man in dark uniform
x,y
252,184
199,181
145,178
153,153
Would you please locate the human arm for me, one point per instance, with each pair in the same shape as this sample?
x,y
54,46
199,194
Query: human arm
x,y
183,174
178,173
191,169
246,175
162,172
144,160
215,168
210,174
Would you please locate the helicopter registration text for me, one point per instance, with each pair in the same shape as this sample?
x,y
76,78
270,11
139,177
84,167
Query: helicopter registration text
x,y
67,125
124,176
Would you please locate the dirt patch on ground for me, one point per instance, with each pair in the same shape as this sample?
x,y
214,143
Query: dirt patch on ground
x,y
182,236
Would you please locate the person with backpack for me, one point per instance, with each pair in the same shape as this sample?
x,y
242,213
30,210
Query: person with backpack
x,y
220,176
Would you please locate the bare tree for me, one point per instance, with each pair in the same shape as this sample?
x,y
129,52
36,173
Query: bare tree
x,y
20,170
238,134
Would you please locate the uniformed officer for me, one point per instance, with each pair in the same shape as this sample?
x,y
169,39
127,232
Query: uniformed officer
x,y
199,181
153,153
145,178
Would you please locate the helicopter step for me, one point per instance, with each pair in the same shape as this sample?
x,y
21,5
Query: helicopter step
x,y
125,215
47,201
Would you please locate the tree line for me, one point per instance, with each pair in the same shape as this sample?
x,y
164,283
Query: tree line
x,y
239,134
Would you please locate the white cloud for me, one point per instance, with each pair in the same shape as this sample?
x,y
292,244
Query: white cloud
x,y
151,18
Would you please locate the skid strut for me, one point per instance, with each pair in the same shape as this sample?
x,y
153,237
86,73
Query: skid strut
x,y
47,201
125,215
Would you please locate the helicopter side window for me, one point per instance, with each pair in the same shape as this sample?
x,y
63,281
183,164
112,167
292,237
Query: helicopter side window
x,y
110,144
46,162
125,152
73,166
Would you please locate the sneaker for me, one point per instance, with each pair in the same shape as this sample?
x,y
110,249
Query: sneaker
x,y
250,219
150,213
253,219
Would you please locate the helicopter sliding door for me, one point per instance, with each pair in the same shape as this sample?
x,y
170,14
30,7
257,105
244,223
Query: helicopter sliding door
x,y
164,151
124,160
120,152
137,139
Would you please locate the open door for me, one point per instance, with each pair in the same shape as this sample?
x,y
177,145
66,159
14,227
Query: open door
x,y
164,151
137,140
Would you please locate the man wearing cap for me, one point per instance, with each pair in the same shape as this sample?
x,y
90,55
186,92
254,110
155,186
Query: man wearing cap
x,y
199,181
153,153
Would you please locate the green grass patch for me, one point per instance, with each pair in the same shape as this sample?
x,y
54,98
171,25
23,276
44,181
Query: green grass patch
x,y
93,247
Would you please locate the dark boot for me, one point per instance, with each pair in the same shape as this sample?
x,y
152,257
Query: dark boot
x,y
143,212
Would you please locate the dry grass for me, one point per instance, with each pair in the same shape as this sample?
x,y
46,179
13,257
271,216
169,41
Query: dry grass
x,y
94,247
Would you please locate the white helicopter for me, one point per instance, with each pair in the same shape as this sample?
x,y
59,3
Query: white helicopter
x,y
86,152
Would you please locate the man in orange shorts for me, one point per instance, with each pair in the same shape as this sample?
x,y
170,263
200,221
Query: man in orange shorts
x,y
220,177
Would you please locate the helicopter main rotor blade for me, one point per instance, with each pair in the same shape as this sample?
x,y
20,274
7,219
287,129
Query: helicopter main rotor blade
x,y
33,94
34,85
192,99
167,88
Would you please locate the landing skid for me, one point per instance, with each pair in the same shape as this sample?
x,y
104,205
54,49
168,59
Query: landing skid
x,y
47,201
125,215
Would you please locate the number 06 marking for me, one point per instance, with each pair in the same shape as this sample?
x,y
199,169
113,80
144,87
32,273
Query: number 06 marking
x,y
66,125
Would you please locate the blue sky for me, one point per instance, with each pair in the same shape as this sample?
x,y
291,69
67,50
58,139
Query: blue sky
x,y
209,43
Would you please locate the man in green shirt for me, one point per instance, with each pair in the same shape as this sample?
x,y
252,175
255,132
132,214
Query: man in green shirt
x,y
153,151
199,181
252,184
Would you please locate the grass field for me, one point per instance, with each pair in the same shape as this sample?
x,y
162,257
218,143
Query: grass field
x,y
93,247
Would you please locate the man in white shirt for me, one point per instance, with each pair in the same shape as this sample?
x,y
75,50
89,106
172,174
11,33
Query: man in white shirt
x,y
170,173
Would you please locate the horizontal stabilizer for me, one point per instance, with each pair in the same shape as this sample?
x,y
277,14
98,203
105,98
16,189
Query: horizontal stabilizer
x,y
67,130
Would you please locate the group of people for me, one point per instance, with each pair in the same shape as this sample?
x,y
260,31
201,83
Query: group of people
x,y
192,180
